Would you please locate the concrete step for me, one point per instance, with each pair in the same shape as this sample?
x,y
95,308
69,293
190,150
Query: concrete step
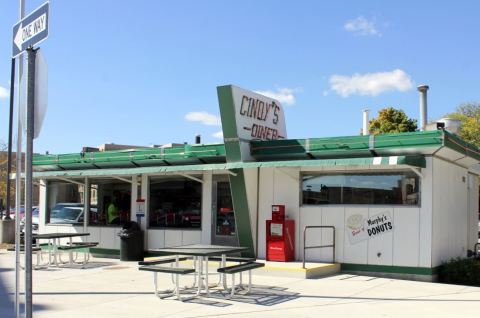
x,y
295,270
283,269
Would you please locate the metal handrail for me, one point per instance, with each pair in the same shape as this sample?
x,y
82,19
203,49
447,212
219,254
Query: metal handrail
x,y
321,246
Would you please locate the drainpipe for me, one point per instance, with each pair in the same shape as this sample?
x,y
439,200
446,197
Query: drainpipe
x,y
365,130
423,106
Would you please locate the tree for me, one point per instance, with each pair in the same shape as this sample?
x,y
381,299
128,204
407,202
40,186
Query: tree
x,y
3,175
391,120
469,116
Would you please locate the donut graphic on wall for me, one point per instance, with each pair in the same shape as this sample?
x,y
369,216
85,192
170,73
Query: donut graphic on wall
x,y
356,228
355,222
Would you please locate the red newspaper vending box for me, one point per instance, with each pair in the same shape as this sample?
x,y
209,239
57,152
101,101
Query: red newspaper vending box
x,y
280,236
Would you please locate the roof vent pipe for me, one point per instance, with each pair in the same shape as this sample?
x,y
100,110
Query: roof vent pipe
x,y
423,106
197,139
365,130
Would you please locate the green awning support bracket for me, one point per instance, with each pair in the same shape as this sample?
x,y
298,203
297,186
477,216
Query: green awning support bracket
x,y
417,171
126,180
70,181
190,177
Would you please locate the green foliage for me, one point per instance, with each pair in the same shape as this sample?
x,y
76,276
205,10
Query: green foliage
x,y
460,271
391,120
469,116
3,174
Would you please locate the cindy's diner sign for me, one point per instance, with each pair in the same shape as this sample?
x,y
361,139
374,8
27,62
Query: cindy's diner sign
x,y
246,116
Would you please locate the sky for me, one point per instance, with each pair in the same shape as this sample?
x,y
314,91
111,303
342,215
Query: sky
x,y
145,72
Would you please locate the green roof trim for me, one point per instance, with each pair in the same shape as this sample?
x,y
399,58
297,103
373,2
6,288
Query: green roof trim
x,y
459,145
186,154
350,146
307,152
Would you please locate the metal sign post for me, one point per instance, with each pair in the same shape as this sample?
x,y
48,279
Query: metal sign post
x,y
18,181
31,54
28,32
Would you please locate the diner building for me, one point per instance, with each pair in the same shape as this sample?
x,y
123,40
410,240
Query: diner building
x,y
416,189
399,203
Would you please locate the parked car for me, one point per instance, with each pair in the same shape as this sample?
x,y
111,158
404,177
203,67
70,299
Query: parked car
x,y
35,221
68,213
22,212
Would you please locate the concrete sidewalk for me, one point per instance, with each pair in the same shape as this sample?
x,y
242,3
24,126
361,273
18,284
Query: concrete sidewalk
x,y
110,288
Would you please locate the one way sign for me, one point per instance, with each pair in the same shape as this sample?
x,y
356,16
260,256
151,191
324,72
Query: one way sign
x,y
31,30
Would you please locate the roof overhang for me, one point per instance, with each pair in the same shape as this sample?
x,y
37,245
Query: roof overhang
x,y
405,161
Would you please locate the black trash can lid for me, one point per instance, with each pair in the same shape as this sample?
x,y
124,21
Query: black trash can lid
x,y
131,226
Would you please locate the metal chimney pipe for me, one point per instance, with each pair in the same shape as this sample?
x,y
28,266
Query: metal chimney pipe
x,y
197,139
365,130
423,106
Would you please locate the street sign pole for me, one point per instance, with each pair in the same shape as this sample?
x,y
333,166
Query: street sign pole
x,y
10,133
31,55
18,181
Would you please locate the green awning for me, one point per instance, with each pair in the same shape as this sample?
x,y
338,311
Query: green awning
x,y
413,161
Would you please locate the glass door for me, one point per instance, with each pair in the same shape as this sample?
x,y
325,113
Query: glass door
x,y
223,222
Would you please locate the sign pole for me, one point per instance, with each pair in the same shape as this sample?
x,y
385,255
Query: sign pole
x,y
31,54
18,180
10,133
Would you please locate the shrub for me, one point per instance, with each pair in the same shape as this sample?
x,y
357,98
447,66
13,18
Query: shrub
x,y
464,271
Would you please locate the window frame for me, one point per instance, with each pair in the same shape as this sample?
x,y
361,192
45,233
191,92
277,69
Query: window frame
x,y
94,180
360,172
48,209
173,178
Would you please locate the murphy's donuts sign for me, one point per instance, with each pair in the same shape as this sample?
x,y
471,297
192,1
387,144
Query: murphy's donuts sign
x,y
360,228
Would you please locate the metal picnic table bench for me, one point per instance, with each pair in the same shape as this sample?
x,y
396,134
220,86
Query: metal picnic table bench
x,y
200,253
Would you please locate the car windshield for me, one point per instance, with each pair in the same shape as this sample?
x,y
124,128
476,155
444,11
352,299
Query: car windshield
x,y
69,213
62,213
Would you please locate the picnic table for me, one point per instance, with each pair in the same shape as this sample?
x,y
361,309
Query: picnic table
x,y
201,254
54,240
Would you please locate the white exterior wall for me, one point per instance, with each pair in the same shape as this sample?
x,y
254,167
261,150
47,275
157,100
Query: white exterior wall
x,y
473,192
278,186
450,212
408,245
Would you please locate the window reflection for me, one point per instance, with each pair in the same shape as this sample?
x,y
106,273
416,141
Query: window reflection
x,y
175,203
367,188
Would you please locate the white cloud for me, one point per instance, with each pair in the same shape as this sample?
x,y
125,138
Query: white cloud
x,y
361,26
204,118
284,95
4,92
218,134
371,84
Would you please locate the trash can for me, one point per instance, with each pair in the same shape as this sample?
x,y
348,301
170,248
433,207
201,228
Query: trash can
x,y
131,242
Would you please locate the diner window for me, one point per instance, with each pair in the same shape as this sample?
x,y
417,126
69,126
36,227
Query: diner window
x,y
175,202
110,202
65,201
398,188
